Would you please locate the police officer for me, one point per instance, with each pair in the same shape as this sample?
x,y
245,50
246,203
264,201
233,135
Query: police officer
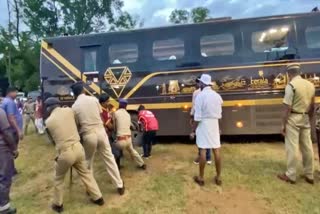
x,y
299,107
106,116
28,111
70,153
87,111
122,123
8,151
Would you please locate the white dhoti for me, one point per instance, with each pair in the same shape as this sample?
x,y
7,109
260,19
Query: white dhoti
x,y
208,134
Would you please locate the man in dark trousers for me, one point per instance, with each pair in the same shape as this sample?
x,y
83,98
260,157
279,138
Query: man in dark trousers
x,y
8,152
150,126
14,116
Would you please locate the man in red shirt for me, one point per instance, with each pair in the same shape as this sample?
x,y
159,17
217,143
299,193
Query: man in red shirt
x,y
106,117
149,127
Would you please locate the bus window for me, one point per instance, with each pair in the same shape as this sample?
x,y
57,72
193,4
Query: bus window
x,y
123,53
171,49
313,37
90,60
273,39
217,45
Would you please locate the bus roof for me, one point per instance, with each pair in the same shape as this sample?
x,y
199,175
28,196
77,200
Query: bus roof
x,y
211,20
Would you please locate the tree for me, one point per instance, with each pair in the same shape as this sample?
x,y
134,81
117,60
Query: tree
x,y
196,15
20,46
179,16
199,14
47,18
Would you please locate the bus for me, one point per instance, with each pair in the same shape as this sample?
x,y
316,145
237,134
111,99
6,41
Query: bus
x,y
157,67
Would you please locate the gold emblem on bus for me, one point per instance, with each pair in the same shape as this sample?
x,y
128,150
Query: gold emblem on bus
x,y
174,87
118,78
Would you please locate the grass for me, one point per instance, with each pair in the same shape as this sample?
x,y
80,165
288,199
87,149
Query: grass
x,y
249,176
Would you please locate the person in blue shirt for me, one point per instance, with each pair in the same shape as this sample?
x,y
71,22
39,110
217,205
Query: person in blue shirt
x,y
13,113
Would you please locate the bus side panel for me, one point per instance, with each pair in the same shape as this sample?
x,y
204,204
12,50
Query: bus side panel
x,y
244,120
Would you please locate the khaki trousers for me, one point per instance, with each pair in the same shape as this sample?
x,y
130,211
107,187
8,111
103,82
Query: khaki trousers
x,y
97,140
27,119
298,137
127,145
74,156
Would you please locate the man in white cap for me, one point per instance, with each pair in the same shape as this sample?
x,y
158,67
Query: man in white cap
x,y
192,135
299,110
208,111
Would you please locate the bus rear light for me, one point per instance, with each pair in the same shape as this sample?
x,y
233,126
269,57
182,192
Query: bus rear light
x,y
239,124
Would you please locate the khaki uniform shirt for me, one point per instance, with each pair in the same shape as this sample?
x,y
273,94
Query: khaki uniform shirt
x,y
87,111
298,95
62,127
29,108
122,121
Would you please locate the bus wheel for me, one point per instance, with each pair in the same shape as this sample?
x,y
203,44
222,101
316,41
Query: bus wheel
x,y
136,135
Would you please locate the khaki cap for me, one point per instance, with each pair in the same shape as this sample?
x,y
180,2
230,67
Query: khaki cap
x,y
293,66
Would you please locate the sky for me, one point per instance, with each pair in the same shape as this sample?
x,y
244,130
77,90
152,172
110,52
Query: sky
x,y
156,12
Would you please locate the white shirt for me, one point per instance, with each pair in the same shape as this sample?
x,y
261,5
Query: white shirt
x,y
194,96
208,105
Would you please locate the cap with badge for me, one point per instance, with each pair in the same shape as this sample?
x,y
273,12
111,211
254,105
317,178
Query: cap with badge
x,y
293,66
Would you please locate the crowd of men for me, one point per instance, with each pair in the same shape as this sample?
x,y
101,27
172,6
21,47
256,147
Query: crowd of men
x,y
92,126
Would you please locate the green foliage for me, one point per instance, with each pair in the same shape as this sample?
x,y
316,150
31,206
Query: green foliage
x,y
50,18
179,16
196,15
199,14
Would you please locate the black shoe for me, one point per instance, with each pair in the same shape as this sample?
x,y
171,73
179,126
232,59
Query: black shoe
x,y
99,202
121,190
143,167
56,208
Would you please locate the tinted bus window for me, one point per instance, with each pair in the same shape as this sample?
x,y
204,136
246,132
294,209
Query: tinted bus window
x,y
90,60
217,45
313,37
171,49
123,53
272,39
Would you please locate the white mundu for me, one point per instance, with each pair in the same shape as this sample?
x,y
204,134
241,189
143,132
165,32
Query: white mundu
x,y
208,111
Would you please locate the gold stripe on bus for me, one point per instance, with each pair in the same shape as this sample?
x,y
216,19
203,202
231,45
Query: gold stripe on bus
x,y
68,65
146,78
112,101
61,69
229,103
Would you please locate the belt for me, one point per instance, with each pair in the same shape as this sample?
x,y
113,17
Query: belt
x,y
294,112
63,149
125,137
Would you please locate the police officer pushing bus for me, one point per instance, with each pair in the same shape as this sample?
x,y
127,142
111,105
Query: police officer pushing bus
x,y
70,153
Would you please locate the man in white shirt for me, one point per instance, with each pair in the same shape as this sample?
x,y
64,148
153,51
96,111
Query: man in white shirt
x,y
192,135
208,111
